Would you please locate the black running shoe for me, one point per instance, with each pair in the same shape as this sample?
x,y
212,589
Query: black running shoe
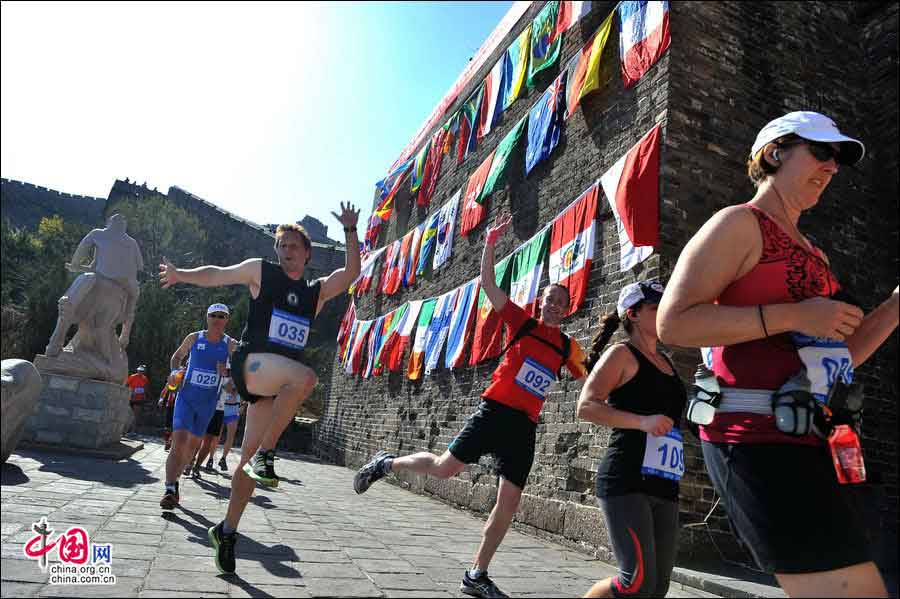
x,y
224,546
209,465
480,587
195,473
261,468
375,470
223,465
169,500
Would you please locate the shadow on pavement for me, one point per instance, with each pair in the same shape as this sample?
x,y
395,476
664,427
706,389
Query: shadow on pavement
x,y
124,473
13,475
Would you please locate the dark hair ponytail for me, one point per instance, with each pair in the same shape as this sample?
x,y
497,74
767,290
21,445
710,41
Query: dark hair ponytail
x,y
610,323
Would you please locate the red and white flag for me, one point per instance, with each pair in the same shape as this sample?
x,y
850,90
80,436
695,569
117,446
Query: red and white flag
x,y
343,336
474,210
572,241
570,11
489,109
395,346
632,190
390,274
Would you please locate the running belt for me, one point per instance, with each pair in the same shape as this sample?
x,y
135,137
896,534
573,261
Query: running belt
x,y
752,401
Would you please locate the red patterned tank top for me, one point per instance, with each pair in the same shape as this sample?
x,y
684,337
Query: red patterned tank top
x,y
786,272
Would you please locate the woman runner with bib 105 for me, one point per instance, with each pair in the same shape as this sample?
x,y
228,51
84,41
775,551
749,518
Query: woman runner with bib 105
x,y
782,345
634,389
266,369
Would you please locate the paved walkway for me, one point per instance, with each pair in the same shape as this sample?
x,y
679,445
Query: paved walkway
x,y
311,537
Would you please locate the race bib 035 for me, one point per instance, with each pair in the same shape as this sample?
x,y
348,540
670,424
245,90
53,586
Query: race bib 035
x,y
288,329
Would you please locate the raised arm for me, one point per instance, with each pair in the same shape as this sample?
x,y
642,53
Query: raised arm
x,y
248,272
340,280
726,248
494,294
611,372
82,253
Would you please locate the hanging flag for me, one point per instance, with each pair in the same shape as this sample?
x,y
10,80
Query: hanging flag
x,y
367,269
432,167
527,266
572,246
343,335
409,271
460,322
405,252
583,69
632,190
373,346
468,124
501,158
373,228
643,37
488,338
345,354
570,12
474,208
545,41
438,329
429,239
388,187
444,236
360,342
490,109
544,124
418,169
392,352
390,272
388,327
417,357
515,63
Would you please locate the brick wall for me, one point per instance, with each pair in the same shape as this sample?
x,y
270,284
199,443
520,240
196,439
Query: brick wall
x,y
732,66
24,204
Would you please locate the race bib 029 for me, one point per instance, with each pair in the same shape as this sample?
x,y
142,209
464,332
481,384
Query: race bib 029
x,y
205,379
288,329
535,378
664,456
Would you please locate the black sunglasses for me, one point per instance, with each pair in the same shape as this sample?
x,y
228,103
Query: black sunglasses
x,y
218,315
821,151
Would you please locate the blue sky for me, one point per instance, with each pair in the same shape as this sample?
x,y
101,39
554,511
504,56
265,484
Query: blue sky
x,y
271,111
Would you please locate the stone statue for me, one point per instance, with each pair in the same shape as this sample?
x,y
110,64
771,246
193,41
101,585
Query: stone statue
x,y
21,386
104,295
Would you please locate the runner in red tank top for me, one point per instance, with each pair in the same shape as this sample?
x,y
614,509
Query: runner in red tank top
x,y
750,286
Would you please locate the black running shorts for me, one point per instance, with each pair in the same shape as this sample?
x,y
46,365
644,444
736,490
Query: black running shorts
x,y
787,507
238,359
215,424
506,433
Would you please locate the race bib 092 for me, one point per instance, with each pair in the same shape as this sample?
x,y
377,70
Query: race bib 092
x,y
288,329
535,378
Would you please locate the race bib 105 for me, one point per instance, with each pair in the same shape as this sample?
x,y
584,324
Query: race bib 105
x,y
288,329
535,378
664,456
825,360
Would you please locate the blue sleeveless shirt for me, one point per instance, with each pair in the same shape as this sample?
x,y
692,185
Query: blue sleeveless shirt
x,y
201,380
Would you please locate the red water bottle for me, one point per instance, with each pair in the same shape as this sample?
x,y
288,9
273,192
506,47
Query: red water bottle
x,y
846,453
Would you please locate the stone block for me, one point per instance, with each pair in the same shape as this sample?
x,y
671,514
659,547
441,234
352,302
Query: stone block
x,y
21,385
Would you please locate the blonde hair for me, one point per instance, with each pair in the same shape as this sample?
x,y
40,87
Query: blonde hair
x,y
758,168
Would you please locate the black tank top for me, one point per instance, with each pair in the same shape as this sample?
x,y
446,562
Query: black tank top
x,y
650,391
280,317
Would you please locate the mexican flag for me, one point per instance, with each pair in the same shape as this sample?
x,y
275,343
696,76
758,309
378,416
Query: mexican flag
x,y
572,239
488,338
527,266
392,352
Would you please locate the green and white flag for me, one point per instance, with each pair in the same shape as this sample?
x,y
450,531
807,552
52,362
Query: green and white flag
x,y
501,158
527,268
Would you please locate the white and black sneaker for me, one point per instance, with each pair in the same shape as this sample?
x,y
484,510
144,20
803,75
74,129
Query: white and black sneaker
x,y
261,468
375,470
480,587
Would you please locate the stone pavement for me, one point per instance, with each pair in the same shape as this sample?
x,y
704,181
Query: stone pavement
x,y
311,537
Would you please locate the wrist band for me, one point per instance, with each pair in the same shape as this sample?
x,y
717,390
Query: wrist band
x,y
762,319
492,236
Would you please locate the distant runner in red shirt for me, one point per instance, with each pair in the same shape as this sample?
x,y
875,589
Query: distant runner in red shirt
x,y
138,383
506,420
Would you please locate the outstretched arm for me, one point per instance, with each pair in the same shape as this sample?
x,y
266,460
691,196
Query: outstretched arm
x,y
248,272
494,294
339,281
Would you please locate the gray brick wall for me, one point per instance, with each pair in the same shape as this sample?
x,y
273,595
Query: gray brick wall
x,y
731,67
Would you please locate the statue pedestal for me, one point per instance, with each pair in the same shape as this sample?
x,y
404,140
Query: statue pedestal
x,y
78,412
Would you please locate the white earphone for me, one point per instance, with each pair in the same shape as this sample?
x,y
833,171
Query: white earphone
x,y
775,156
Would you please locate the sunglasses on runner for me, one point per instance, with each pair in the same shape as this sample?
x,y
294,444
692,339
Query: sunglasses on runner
x,y
218,315
821,151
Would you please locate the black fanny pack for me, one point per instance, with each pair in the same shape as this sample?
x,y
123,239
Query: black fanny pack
x,y
797,412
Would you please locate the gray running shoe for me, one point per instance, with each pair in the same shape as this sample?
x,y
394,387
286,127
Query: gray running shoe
x,y
375,470
261,468
480,587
